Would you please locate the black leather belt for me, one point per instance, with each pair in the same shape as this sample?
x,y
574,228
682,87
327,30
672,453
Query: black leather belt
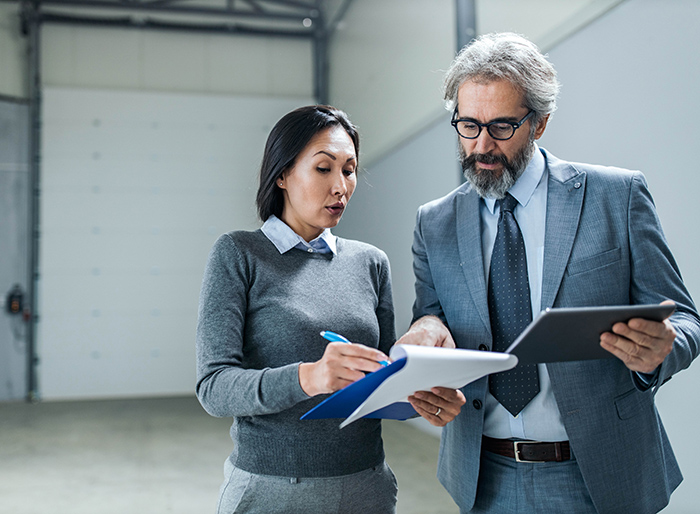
x,y
528,451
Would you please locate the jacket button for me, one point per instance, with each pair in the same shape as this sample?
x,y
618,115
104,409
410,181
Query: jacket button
x,y
477,404
483,347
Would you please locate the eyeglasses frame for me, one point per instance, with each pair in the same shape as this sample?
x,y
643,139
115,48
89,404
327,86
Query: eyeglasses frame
x,y
515,125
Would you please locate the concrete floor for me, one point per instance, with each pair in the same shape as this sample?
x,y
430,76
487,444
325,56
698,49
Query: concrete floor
x,y
152,456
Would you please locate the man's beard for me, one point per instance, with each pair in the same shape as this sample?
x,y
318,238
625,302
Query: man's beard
x,y
484,181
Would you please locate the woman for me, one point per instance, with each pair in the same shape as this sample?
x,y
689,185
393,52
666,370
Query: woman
x,y
265,297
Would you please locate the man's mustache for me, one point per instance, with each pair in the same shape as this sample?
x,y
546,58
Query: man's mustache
x,y
486,158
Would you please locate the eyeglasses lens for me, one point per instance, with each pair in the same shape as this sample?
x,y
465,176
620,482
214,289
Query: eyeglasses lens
x,y
501,130
471,130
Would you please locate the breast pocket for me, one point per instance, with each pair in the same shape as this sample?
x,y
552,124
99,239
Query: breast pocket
x,y
594,262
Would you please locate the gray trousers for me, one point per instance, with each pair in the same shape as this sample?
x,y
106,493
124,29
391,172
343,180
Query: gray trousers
x,y
370,491
510,487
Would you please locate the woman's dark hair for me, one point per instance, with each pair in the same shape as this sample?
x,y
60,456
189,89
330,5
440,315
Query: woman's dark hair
x,y
286,141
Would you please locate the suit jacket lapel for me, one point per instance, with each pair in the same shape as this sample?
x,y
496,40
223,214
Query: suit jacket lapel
x,y
468,226
566,188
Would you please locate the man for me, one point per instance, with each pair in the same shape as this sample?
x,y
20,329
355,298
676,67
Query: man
x,y
583,236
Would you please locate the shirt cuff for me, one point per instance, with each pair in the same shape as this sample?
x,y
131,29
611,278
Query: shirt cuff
x,y
645,381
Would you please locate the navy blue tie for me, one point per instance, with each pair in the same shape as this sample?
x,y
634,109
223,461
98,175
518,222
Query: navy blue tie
x,y
509,309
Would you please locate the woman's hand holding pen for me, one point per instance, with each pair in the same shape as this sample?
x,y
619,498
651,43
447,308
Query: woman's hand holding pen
x,y
341,364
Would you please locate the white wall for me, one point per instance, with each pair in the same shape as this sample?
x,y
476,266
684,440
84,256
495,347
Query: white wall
x,y
12,53
136,187
545,22
388,58
386,62
175,62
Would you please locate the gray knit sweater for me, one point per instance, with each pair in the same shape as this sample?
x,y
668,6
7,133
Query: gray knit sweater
x,y
260,314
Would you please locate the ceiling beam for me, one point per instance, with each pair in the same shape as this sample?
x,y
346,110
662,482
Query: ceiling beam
x,y
291,11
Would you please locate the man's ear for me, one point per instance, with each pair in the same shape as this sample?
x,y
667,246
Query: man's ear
x,y
541,126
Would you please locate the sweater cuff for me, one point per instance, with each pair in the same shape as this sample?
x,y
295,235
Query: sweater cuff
x,y
282,386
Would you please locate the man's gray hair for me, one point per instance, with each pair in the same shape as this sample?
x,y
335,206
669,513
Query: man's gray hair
x,y
506,56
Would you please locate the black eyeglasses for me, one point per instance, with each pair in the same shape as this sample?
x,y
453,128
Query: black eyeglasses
x,y
500,130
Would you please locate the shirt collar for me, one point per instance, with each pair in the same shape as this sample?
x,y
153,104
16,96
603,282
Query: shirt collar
x,y
525,186
284,238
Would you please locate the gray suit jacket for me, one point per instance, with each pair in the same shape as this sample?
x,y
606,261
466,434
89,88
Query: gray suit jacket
x,y
603,246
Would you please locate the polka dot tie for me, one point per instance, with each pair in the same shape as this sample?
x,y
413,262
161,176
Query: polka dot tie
x,y
509,308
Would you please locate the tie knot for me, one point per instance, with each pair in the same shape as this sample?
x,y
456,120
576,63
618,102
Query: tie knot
x,y
507,203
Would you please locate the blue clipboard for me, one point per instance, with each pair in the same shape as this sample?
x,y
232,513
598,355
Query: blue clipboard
x,y
344,402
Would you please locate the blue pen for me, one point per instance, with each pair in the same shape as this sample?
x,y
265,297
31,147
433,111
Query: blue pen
x,y
337,338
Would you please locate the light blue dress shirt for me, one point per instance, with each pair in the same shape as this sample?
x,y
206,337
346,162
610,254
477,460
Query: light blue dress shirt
x,y
540,420
284,238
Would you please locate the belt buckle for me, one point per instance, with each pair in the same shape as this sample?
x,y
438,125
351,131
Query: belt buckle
x,y
516,450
